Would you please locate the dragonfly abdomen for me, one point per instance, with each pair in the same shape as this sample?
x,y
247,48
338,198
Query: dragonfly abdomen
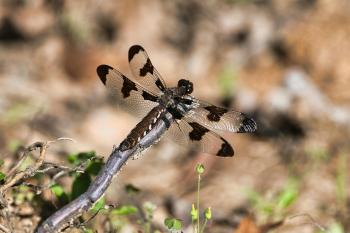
x,y
142,128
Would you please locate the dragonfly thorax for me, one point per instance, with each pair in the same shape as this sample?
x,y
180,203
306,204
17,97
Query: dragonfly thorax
x,y
177,96
168,98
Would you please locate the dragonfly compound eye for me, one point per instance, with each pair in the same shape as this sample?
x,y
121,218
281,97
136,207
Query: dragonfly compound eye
x,y
185,85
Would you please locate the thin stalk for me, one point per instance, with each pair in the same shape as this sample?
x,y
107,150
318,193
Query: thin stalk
x,y
148,227
204,225
198,188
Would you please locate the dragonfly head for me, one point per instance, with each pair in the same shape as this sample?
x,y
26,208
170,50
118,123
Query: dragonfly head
x,y
185,87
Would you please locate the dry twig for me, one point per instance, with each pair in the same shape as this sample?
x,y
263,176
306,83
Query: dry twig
x,y
15,177
4,229
313,221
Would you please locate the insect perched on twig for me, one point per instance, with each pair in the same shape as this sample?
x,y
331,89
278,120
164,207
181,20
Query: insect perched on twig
x,y
194,120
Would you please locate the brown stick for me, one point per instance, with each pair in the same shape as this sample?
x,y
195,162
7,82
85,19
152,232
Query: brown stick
x,y
29,171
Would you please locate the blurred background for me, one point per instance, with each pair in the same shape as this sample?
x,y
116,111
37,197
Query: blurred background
x,y
283,62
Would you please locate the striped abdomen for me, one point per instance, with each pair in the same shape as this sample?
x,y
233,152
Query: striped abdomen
x,y
142,128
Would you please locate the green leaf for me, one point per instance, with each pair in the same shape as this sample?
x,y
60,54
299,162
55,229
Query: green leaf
x,y
72,159
60,193
336,228
200,168
98,205
88,230
57,190
2,176
76,159
288,196
80,185
86,155
207,213
173,223
95,167
194,213
125,210
1,162
131,189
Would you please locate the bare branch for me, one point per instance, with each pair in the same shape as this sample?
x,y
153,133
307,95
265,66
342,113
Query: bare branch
x,y
15,177
65,138
24,154
63,217
313,221
4,229
29,171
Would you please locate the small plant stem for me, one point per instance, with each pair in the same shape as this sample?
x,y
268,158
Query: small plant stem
x,y
198,188
148,227
204,224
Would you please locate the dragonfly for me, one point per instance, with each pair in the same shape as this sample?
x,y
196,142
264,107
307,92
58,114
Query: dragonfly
x,y
194,121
